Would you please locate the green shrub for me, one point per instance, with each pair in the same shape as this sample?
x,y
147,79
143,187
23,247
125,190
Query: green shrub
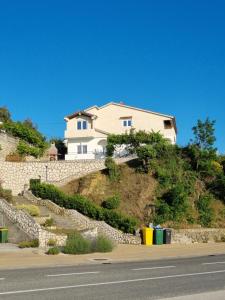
x,y
76,244
6,194
24,148
51,242
29,244
102,244
31,209
53,251
34,181
173,205
84,206
25,133
49,222
205,210
112,168
112,202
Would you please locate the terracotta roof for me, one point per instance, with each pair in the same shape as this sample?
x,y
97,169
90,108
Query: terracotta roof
x,y
80,113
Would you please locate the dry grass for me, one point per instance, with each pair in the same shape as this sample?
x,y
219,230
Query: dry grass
x,y
135,190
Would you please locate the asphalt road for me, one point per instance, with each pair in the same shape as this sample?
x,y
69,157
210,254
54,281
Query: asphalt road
x,y
204,276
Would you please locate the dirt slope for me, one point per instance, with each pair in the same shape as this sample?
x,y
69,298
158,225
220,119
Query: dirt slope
x,y
136,190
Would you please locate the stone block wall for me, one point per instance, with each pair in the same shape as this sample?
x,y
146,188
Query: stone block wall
x,y
198,235
14,175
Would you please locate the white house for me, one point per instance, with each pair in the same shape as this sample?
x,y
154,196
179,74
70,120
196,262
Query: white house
x,y
87,130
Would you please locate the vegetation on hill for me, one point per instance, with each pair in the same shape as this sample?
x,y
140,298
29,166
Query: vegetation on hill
x,y
32,142
182,186
84,206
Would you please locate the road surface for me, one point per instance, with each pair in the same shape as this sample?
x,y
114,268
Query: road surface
x,y
190,278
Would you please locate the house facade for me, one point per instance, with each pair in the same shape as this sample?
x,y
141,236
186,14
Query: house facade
x,y
86,131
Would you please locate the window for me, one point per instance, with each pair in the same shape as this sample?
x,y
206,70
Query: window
x,y
84,149
84,124
81,125
168,124
127,123
81,149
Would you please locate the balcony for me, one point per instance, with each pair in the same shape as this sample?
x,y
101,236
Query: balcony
x,y
79,133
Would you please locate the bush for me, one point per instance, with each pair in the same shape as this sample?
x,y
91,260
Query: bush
x,y
6,194
112,202
49,222
24,149
53,251
173,205
102,244
76,244
84,206
31,209
34,181
29,244
51,242
205,210
112,168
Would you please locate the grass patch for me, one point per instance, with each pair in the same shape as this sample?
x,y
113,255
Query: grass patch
x,y
29,244
53,251
102,244
31,209
76,244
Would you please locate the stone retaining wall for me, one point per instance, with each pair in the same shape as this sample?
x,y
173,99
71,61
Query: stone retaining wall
x,y
14,175
85,223
198,235
28,225
8,145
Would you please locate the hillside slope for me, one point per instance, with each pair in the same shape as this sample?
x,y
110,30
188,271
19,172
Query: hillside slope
x,y
136,190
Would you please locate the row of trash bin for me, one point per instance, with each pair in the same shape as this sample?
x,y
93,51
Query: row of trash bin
x,y
156,236
3,235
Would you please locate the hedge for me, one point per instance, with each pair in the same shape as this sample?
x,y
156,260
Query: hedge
x,y
84,206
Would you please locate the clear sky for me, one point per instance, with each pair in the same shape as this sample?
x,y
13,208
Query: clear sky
x,y
60,56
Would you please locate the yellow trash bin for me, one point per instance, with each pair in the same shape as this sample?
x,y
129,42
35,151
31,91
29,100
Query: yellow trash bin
x,y
147,236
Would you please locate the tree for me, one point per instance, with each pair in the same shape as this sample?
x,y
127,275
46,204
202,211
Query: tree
x,y
29,123
204,136
5,115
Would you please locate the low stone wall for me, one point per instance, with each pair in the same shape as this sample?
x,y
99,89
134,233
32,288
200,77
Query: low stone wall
x,y
84,223
198,235
15,176
27,224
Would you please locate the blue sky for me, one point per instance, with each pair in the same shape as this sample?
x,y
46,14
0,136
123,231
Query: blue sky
x,y
60,56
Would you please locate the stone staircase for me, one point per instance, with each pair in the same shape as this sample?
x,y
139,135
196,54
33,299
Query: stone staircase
x,y
61,221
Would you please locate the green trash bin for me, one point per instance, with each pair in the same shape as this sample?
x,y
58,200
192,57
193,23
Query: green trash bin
x,y
158,236
3,235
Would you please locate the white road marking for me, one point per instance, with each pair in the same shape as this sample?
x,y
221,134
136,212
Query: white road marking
x,y
69,274
214,263
2,278
154,268
109,283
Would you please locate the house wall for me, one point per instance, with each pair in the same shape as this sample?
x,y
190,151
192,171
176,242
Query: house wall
x,y
109,120
94,148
